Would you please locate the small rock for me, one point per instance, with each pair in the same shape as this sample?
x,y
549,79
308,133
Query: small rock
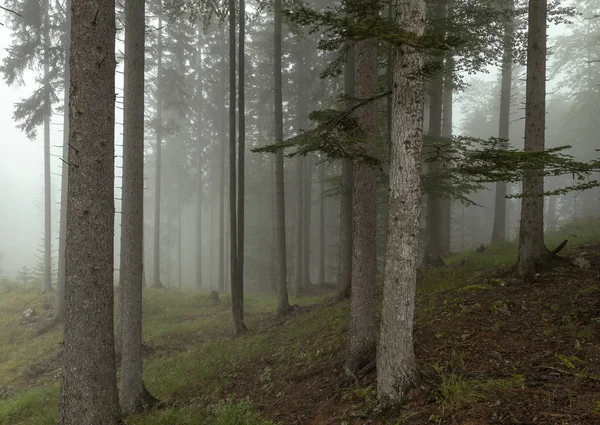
x,y
29,313
582,263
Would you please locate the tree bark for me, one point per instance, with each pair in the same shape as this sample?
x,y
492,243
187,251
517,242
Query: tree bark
x,y
363,325
89,387
499,229
199,190
59,305
533,253
47,182
237,289
223,142
133,395
283,305
307,205
446,203
159,136
322,251
396,366
298,268
233,251
345,248
433,249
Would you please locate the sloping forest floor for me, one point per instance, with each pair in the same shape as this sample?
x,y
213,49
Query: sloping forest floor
x,y
491,350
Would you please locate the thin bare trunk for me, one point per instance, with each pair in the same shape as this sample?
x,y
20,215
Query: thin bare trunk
x,y
499,230
433,249
47,183
59,306
223,141
322,253
345,248
159,137
283,304
396,365
306,282
199,182
133,395
533,253
298,268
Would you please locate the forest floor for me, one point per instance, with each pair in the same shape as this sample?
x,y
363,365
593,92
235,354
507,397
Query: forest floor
x,y
491,350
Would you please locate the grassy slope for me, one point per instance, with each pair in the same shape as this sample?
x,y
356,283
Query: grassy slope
x,y
282,369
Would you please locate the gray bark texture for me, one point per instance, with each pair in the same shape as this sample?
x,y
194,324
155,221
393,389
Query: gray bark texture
x,y
159,136
499,229
322,231
89,386
345,246
233,251
133,396
433,248
59,305
283,304
199,183
222,148
307,204
533,253
237,286
299,256
396,366
363,326
47,182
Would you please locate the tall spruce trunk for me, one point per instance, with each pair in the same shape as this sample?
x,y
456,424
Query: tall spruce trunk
x,y
223,142
306,282
499,229
396,365
59,303
233,240
133,395
433,248
363,326
283,304
159,136
199,119
345,236
88,394
299,256
533,254
322,252
446,203
237,286
47,182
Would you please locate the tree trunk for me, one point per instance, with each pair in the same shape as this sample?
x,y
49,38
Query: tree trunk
x,y
89,386
133,395
223,141
433,248
533,253
446,203
237,286
47,183
199,190
396,366
307,205
363,325
283,304
322,252
233,251
298,268
499,230
159,136
59,306
345,248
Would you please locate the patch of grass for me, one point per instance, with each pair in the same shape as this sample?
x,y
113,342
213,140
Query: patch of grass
x,y
37,406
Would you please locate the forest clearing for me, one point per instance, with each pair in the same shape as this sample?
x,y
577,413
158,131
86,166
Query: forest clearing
x,y
490,349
